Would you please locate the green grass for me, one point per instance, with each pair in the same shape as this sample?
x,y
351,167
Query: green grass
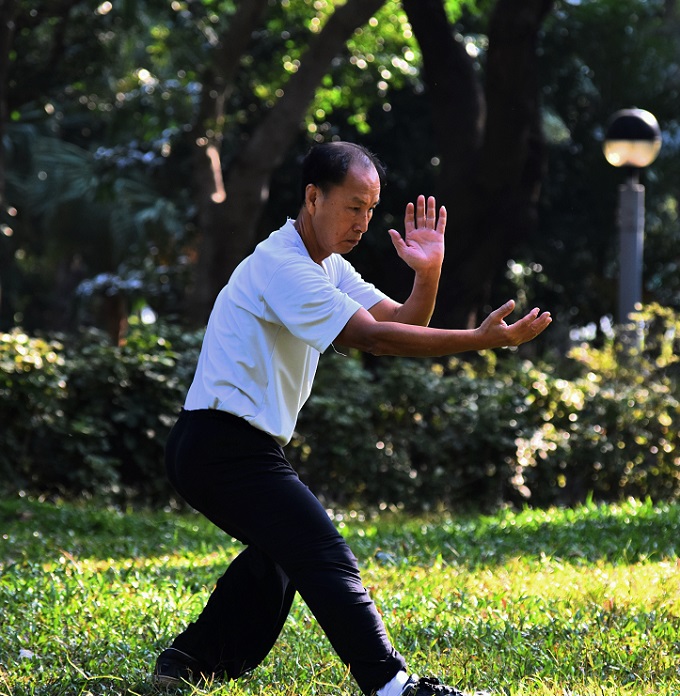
x,y
583,601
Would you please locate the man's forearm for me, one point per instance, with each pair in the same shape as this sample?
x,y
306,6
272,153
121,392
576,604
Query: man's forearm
x,y
419,306
388,337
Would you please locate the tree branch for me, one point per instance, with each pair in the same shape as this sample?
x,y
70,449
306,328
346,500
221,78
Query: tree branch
x,y
230,228
281,124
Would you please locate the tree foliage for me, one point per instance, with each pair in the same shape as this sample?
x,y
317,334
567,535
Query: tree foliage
x,y
121,122
596,58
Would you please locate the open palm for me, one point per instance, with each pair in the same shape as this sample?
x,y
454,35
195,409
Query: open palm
x,y
422,246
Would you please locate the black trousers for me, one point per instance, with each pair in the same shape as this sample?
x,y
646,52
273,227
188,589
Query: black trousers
x,y
239,478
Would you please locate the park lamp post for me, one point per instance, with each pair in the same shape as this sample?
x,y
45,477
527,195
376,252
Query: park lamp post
x,y
632,141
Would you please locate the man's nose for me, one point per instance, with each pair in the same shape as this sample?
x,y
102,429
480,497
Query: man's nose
x,y
361,224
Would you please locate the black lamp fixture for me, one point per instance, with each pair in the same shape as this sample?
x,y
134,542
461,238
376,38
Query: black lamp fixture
x,y
632,141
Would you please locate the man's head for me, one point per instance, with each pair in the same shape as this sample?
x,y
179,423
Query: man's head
x,y
342,184
327,164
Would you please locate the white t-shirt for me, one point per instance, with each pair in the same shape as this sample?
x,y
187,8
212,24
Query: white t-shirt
x,y
269,324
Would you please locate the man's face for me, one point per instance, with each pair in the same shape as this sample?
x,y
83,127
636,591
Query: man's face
x,y
340,216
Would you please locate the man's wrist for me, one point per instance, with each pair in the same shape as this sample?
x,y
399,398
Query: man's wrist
x,y
430,275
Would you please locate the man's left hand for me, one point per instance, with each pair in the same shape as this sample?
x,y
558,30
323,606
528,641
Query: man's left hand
x,y
422,246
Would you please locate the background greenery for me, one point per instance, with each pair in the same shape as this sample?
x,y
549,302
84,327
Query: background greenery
x,y
108,219
84,416
101,212
563,601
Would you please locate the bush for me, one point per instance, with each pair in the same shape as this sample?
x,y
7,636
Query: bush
x,y
497,431
32,396
418,433
81,416
84,416
612,430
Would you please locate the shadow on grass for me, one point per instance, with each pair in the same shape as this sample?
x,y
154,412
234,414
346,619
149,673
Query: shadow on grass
x,y
629,533
618,534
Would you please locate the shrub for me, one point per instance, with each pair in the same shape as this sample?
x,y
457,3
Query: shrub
x,y
336,447
419,433
79,415
612,430
84,416
502,430
32,396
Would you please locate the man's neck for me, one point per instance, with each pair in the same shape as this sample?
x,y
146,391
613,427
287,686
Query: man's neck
x,y
304,227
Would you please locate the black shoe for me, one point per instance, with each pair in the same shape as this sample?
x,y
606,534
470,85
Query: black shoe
x,y
174,667
426,686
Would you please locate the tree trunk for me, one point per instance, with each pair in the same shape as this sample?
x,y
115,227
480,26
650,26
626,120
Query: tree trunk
x,y
229,227
455,95
7,12
207,137
513,160
492,184
458,107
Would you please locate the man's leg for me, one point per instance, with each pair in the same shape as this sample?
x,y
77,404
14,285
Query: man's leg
x,y
250,602
238,477
233,635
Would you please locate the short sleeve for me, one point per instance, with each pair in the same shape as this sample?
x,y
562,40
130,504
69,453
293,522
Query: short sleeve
x,y
348,280
302,297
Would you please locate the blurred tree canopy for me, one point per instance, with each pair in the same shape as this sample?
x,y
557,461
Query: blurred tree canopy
x,y
149,144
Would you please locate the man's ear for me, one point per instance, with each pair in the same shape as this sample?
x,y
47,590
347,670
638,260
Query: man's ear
x,y
311,197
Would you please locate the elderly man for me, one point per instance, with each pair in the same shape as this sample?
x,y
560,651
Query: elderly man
x,y
285,304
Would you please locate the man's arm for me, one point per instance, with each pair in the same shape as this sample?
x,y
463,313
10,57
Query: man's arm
x,y
364,332
390,328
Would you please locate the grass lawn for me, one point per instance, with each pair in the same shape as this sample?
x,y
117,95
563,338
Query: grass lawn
x,y
583,601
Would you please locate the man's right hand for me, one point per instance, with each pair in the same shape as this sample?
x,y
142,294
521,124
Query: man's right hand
x,y
494,332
